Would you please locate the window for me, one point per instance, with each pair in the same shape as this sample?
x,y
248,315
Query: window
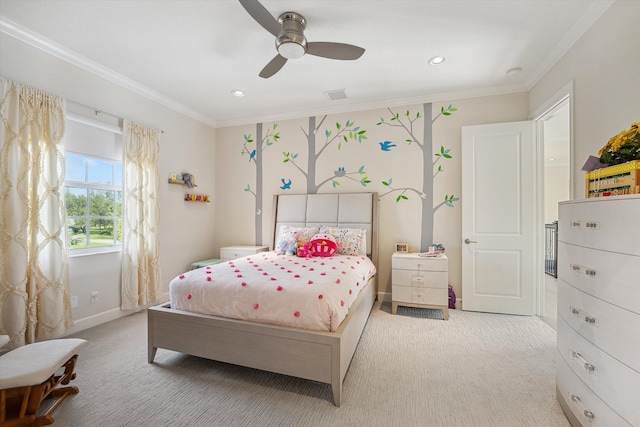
x,y
93,184
93,197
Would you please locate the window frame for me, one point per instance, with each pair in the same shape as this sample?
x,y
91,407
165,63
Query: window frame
x,y
89,187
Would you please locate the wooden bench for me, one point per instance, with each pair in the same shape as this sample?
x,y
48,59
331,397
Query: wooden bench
x,y
28,376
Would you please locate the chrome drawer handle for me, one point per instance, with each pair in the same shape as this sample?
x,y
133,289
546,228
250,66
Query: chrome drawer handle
x,y
589,367
590,416
584,316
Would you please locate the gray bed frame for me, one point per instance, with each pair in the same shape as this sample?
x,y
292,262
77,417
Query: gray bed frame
x,y
315,355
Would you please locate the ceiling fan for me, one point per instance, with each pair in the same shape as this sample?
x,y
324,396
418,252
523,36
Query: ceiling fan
x,y
290,40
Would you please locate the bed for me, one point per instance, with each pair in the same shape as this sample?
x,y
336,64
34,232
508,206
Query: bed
x,y
322,356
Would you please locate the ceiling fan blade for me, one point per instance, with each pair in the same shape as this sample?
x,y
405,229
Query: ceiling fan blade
x,y
262,16
273,66
334,50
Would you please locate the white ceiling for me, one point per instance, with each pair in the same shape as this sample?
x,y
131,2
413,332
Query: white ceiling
x,y
190,54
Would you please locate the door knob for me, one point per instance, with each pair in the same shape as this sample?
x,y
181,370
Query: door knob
x,y
467,241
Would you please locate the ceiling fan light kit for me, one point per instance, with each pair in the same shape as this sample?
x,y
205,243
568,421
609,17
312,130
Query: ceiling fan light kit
x,y
290,40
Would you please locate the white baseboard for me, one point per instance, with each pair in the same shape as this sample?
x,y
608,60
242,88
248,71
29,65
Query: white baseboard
x,y
104,317
96,319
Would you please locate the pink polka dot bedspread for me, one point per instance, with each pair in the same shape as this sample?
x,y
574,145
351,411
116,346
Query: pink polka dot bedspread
x,y
307,293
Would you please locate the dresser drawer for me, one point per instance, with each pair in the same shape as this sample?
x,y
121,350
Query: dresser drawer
x,y
610,328
610,276
610,379
414,295
414,262
432,279
592,223
588,408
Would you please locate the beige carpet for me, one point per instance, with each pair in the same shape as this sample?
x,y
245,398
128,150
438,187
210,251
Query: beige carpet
x,y
476,369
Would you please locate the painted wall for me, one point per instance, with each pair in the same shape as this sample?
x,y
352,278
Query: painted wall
x,y
604,66
186,229
375,152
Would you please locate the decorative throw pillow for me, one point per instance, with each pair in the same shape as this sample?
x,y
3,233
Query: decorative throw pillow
x,y
351,241
288,238
322,244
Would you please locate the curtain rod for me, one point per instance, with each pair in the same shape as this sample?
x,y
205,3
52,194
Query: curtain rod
x,y
97,110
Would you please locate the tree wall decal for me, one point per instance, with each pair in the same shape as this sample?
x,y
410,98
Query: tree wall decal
x,y
255,155
406,122
344,133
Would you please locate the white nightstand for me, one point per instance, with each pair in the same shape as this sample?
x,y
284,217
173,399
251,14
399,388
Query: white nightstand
x,y
420,282
234,252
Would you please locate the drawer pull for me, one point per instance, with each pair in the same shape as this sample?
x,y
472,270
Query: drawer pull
x,y
590,416
584,316
589,367
587,271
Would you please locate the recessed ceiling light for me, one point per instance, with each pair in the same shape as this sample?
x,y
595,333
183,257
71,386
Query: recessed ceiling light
x,y
237,92
514,71
436,60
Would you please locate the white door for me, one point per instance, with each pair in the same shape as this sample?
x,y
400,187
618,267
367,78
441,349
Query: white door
x,y
498,218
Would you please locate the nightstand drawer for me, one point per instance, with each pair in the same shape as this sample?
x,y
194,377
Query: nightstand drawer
x,y
432,279
415,295
234,252
417,263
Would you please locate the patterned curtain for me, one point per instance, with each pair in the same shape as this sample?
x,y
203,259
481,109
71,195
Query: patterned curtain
x,y
34,277
140,269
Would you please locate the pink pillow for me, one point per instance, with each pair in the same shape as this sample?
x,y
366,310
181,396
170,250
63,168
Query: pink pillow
x,y
323,245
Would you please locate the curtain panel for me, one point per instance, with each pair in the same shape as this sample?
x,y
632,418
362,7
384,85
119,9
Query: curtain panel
x,y
140,251
34,278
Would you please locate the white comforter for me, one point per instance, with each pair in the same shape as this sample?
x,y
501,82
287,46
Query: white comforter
x,y
308,293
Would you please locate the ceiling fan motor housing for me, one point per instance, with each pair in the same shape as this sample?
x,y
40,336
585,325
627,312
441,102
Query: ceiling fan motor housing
x,y
291,42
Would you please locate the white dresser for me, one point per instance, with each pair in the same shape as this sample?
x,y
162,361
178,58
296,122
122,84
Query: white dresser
x,y
598,366
239,251
420,282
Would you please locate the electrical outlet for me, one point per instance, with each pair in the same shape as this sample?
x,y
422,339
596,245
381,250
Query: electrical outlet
x,y
94,297
74,301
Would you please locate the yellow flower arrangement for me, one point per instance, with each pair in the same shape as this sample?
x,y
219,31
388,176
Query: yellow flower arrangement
x,y
622,148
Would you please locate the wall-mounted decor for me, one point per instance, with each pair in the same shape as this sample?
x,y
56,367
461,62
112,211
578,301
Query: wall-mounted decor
x,y
184,178
197,198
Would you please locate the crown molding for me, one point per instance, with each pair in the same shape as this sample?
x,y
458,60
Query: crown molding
x,y
378,104
39,42
588,18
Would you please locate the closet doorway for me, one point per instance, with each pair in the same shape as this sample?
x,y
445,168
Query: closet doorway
x,y
556,136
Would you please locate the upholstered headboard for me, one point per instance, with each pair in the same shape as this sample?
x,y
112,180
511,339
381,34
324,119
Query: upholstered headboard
x,y
350,210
